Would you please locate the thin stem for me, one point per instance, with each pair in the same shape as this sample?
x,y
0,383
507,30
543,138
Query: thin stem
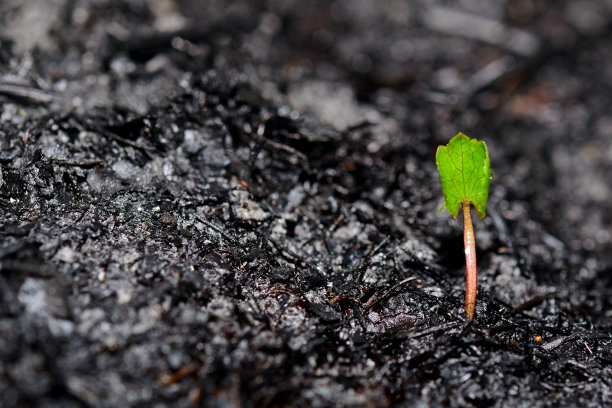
x,y
470,260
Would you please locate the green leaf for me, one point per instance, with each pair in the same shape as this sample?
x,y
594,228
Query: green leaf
x,y
465,173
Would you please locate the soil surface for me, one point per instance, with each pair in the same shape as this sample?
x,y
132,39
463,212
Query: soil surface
x,y
235,203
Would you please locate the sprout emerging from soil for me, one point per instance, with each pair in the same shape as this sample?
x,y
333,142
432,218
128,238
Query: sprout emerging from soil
x,y
465,173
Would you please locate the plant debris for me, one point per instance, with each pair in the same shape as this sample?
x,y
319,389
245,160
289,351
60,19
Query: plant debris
x,y
235,204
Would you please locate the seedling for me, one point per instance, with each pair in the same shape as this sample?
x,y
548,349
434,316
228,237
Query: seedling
x,y
465,173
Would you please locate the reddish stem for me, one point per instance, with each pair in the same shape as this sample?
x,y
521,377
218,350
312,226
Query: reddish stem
x,y
470,260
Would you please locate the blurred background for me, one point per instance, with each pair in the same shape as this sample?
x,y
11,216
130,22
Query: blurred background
x,y
530,77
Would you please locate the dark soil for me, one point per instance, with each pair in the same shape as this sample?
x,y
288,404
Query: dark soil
x,y
235,203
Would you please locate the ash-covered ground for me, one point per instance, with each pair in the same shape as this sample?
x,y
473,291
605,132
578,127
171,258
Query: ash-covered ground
x,y
235,203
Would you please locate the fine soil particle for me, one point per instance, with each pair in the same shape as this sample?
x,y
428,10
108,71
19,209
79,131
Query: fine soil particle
x,y
235,204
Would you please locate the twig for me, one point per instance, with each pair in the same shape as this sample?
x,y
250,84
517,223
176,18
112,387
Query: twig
x,y
120,139
217,229
558,341
365,261
128,142
435,329
528,304
27,93
85,163
479,28
376,299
